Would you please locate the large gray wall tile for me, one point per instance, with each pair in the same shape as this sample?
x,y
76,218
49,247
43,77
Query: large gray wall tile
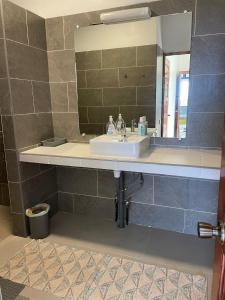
x,y
16,200
102,78
39,188
192,218
207,93
171,191
72,97
120,57
54,33
203,195
210,17
90,97
12,165
36,31
15,22
22,97
61,66
66,125
76,180
207,53
147,55
137,76
146,95
81,79
93,129
5,107
88,60
8,129
59,97
137,192
106,184
134,112
19,224
119,96
157,216
37,127
42,99
83,114
27,62
3,73
205,129
94,206
101,114
66,202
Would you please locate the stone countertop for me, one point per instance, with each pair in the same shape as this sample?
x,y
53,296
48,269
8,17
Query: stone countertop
x,y
195,163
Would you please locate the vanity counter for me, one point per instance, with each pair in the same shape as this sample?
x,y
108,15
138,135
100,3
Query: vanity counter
x,y
194,163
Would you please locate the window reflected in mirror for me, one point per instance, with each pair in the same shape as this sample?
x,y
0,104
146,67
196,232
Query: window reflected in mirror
x,y
175,94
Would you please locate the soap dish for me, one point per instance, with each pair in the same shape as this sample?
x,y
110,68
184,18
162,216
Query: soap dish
x,y
53,142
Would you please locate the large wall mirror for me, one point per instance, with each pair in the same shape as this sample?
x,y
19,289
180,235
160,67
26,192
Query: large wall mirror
x,y
138,68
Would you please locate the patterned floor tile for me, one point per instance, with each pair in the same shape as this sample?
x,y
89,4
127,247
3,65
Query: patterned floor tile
x,y
77,274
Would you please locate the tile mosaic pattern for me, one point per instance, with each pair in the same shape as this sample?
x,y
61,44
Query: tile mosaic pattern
x,y
72,273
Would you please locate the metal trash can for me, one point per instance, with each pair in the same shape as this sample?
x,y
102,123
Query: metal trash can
x,y
38,220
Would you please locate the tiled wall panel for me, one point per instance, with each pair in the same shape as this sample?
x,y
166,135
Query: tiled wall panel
x,y
113,81
26,109
165,202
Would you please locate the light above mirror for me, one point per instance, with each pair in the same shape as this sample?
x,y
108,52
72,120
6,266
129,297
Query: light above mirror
x,y
138,68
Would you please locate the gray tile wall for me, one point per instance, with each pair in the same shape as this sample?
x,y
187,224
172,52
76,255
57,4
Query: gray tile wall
x,y
26,109
165,202
157,203
4,191
116,81
22,35
205,116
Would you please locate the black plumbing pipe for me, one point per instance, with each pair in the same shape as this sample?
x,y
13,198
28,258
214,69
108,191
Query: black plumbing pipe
x,y
121,205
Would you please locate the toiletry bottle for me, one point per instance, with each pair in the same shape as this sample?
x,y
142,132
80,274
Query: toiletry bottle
x,y
146,124
141,127
120,125
110,127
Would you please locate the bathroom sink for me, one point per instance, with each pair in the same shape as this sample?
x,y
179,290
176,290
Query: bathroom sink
x,y
133,146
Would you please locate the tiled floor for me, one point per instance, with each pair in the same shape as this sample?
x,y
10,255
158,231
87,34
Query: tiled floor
x,y
178,251
5,222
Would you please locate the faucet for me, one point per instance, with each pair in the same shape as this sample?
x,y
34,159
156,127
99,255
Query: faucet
x,y
133,125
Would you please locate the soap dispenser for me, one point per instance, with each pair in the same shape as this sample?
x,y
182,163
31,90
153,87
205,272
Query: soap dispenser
x,y
120,125
110,127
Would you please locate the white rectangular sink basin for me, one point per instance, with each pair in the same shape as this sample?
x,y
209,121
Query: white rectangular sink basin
x,y
134,146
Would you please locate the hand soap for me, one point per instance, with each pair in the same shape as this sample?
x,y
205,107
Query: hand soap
x,y
120,125
110,127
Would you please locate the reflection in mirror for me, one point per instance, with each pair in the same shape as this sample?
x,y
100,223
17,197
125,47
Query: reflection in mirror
x,y
138,68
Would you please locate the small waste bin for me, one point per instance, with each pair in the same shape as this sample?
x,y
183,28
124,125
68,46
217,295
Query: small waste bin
x,y
38,219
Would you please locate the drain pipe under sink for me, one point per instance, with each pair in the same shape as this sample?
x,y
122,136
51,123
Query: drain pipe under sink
x,y
120,199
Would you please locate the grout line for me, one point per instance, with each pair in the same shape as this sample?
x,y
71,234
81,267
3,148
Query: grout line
x,y
111,68
94,196
153,188
184,221
118,87
67,94
64,40
28,40
209,34
97,182
32,90
195,19
25,79
26,45
102,94
210,74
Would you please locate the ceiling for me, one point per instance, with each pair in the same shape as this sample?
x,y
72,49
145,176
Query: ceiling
x,y
55,8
